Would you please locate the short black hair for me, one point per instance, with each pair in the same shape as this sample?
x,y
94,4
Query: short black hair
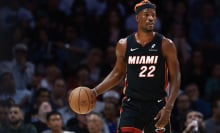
x,y
143,5
53,113
95,113
15,106
40,90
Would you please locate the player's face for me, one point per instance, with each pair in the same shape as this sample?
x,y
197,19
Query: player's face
x,y
146,20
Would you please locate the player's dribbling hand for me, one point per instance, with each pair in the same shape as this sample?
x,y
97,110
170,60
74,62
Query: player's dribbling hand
x,y
162,117
93,93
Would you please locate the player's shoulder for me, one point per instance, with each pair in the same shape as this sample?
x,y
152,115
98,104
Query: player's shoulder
x,y
122,41
167,44
167,41
121,47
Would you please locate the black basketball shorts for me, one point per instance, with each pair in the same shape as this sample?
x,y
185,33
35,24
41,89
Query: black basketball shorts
x,y
137,115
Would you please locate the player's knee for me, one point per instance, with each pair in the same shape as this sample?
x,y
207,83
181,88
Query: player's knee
x,y
129,130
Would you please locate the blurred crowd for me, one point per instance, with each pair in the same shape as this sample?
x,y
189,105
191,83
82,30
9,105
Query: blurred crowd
x,y
49,47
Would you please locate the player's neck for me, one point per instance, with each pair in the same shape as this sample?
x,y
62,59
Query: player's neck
x,y
144,37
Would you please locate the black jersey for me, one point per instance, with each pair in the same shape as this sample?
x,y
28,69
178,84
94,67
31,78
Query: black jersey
x,y
146,69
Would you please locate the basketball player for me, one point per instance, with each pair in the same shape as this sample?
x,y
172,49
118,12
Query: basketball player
x,y
144,59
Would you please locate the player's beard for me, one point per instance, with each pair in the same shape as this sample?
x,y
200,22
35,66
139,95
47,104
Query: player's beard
x,y
147,29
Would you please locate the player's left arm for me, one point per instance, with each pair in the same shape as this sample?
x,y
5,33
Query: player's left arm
x,y
170,54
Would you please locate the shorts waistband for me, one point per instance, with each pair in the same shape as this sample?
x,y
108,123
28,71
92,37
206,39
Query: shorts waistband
x,y
144,100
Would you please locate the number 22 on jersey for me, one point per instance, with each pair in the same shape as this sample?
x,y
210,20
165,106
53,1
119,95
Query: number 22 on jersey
x,y
147,72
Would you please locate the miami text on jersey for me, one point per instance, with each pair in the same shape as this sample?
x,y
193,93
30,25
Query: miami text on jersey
x,y
142,59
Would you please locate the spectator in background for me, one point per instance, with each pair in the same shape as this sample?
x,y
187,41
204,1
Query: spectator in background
x,y
212,87
108,61
67,114
101,6
10,15
74,48
180,13
94,61
65,111
167,10
130,20
80,19
40,96
55,123
130,24
113,26
22,72
51,73
202,29
178,34
181,108
55,16
95,123
42,21
16,124
65,6
196,71
16,36
110,114
198,104
3,114
212,125
35,82
78,124
42,50
92,6
7,86
21,69
190,124
111,96
10,93
58,94
108,96
40,121
81,77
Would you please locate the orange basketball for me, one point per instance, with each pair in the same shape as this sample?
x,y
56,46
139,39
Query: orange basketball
x,y
80,100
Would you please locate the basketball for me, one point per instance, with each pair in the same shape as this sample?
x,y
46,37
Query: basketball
x,y
80,100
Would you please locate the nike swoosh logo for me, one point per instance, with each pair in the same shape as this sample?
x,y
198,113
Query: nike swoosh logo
x,y
133,49
159,100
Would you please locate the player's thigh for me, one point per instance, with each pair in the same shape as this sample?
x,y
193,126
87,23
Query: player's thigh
x,y
155,107
130,118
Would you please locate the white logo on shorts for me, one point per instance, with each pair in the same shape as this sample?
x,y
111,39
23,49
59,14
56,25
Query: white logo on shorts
x,y
159,100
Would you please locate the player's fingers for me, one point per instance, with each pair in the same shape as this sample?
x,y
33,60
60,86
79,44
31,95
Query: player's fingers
x,y
157,116
93,95
158,123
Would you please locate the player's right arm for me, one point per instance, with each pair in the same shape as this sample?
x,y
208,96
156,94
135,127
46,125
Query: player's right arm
x,y
117,73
